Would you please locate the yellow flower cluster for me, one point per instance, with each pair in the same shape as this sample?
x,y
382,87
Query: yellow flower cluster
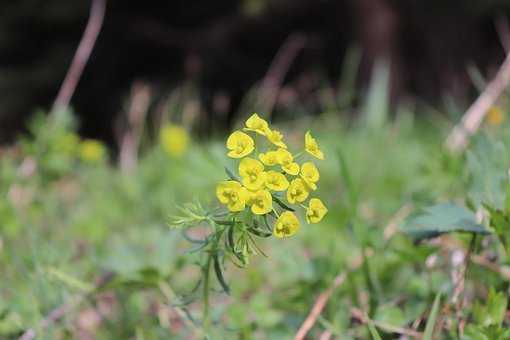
x,y
262,180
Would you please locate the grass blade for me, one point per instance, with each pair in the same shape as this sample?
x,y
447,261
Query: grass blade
x,y
373,331
431,322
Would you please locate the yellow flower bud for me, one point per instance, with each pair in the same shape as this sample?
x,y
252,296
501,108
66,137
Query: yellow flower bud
x,y
315,211
252,173
276,181
232,194
239,144
286,225
297,192
312,147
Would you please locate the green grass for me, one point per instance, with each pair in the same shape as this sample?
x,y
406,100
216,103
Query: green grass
x,y
68,223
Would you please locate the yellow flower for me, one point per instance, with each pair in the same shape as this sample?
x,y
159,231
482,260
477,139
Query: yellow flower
x,y
297,192
276,181
239,144
495,115
252,173
312,147
310,174
286,160
286,225
276,137
92,151
315,211
261,202
174,139
269,158
257,124
232,194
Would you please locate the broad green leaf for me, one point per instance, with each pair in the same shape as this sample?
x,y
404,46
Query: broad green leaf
x,y
431,320
443,218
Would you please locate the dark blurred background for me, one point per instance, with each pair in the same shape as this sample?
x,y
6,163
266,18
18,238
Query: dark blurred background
x,y
224,48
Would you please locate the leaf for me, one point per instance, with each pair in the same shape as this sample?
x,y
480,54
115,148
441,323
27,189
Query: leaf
x,y
493,312
231,175
390,315
281,204
349,184
375,113
443,218
431,320
219,274
259,232
69,280
373,331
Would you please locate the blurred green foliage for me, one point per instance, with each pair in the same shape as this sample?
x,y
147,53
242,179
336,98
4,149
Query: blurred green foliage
x,y
87,235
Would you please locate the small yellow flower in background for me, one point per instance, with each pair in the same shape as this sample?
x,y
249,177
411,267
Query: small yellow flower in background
x,y
276,137
315,211
286,225
174,139
495,115
310,174
252,173
286,160
312,147
261,202
232,194
276,181
297,191
239,144
269,158
257,124
92,151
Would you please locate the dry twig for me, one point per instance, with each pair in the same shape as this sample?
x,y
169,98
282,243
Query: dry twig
x,y
472,119
82,55
318,306
271,84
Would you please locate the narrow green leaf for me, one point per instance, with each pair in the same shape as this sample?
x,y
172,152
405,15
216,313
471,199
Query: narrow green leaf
x,y
70,280
281,204
231,175
259,232
431,321
219,274
346,176
373,330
